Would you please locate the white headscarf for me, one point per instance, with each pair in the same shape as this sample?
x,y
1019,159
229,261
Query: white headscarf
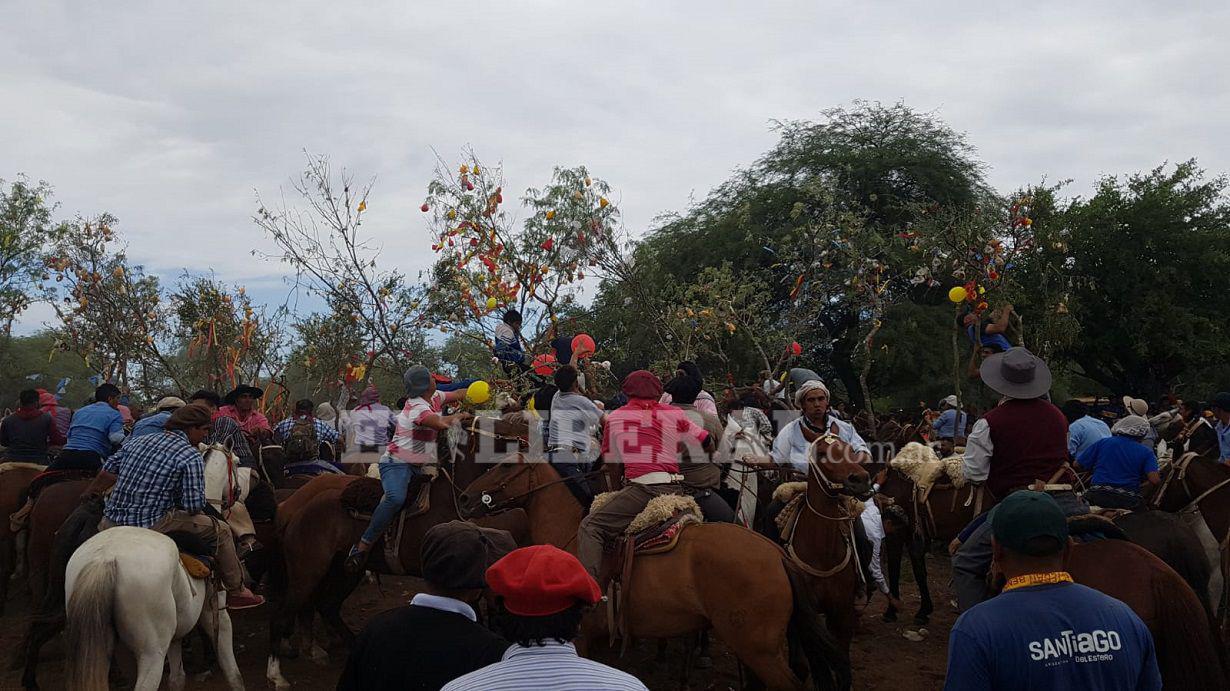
x,y
806,388
1132,426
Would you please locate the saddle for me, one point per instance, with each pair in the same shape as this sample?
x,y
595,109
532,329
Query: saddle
x,y
48,478
655,530
1090,527
195,553
360,498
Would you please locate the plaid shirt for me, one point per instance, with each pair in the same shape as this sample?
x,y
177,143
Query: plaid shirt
x,y
323,431
227,433
156,474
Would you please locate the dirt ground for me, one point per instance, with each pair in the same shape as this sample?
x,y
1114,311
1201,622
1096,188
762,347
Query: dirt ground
x,y
882,657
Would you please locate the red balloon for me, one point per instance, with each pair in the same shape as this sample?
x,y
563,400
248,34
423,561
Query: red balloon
x,y
795,348
544,364
583,345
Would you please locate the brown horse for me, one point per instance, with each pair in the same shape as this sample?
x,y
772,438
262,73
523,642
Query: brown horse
x,y
1197,482
14,479
822,542
1189,653
911,524
315,532
719,576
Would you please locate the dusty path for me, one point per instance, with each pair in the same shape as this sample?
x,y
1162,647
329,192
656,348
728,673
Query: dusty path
x,y
883,658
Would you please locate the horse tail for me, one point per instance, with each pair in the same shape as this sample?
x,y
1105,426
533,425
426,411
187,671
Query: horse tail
x,y
1189,652
89,632
829,664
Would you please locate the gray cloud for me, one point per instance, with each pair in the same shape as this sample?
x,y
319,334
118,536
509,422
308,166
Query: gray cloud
x,y
171,116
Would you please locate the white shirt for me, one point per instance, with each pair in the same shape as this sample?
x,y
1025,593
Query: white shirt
x,y
769,385
978,451
791,446
444,604
554,666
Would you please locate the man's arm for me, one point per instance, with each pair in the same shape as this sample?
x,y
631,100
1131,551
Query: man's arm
x,y
1088,458
978,450
115,432
112,464
328,433
192,482
454,396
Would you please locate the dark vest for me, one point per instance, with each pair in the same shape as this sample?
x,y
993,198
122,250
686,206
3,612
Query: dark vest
x,y
1030,439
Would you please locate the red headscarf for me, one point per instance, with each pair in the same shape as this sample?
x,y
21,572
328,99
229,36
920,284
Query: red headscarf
x,y
643,384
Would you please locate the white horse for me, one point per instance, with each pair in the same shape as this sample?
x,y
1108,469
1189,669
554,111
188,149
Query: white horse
x,y
128,582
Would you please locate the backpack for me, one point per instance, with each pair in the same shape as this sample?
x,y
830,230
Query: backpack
x,y
301,444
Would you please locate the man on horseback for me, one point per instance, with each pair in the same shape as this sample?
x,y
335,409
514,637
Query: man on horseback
x,y
240,406
154,422
302,433
792,442
952,424
1119,464
160,484
644,436
26,434
1083,430
94,430
701,475
1022,443
1044,631
1221,411
412,448
573,421
225,430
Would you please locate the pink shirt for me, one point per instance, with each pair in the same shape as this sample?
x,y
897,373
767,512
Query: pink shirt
x,y
412,441
249,424
645,436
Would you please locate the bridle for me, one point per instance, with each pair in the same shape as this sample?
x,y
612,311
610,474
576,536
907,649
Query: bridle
x,y
1179,467
834,491
487,497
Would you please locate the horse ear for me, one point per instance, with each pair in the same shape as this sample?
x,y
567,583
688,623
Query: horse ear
x,y
833,428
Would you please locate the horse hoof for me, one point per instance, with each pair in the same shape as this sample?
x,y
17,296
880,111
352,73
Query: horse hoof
x,y
704,662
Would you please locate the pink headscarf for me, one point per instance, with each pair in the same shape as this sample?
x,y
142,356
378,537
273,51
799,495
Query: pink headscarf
x,y
369,396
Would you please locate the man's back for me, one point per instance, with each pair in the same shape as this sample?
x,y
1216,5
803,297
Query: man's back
x,y
1062,636
549,666
1118,462
417,647
91,427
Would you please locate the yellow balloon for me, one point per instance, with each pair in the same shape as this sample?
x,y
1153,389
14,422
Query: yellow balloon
x,y
491,303
478,393
957,294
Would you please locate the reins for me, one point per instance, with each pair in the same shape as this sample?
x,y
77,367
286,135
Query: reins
x,y
832,490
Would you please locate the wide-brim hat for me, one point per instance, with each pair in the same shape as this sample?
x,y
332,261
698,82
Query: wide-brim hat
x,y
241,390
1135,406
1016,373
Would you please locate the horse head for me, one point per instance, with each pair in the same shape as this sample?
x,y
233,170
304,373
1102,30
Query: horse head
x,y
497,489
835,467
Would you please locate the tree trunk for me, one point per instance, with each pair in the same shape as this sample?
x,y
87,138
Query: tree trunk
x,y
866,369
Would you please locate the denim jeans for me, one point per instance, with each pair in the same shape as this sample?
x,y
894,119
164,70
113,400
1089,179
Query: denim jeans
x,y
972,562
395,478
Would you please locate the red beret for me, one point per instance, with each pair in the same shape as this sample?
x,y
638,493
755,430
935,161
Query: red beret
x,y
642,384
541,580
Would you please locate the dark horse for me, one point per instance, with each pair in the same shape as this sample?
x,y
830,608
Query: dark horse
x,y
315,532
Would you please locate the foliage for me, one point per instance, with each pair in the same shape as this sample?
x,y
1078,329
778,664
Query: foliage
x,y
375,308
25,230
1152,252
34,362
111,313
226,339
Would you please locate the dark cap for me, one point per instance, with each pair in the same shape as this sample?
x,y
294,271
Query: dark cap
x,y
1221,400
189,416
455,555
1023,516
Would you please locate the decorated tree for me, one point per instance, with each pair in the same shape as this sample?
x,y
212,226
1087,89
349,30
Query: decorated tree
x,y
111,313
488,262
370,306
25,231
226,338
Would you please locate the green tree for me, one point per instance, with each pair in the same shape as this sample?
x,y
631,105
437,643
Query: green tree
x,y
25,231
1149,256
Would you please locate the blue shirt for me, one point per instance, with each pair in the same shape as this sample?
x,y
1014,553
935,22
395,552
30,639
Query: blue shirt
x,y
989,339
149,424
1082,434
93,427
554,666
324,432
1223,442
1073,638
156,473
946,424
1118,461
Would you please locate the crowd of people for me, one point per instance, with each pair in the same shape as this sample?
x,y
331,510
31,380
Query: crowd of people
x,y
669,438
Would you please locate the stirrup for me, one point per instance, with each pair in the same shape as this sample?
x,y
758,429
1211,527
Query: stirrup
x,y
356,559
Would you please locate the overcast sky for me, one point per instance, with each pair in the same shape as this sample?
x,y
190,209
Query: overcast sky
x,y
172,115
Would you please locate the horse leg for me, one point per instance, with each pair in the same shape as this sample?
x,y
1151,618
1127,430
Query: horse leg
x,y
149,667
175,664
703,660
918,562
308,647
893,547
225,648
41,630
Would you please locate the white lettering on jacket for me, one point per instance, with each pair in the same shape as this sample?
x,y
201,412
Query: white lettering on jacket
x,y
1069,644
